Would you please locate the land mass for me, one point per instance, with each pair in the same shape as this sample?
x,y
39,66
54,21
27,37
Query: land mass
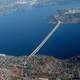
x,y
39,67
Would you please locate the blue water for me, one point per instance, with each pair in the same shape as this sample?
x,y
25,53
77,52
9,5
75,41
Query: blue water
x,y
23,30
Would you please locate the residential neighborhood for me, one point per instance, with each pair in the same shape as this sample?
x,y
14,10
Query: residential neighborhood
x,y
39,68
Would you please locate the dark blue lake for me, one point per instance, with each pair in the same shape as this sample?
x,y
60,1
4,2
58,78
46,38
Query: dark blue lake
x,y
23,30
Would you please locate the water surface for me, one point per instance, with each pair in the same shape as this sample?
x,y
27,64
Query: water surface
x,y
22,30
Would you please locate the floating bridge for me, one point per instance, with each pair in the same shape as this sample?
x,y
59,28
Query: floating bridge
x,y
66,16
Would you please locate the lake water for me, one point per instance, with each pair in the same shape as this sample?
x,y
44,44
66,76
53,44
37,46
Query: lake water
x,y
22,31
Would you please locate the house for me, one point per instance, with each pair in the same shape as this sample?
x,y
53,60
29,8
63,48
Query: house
x,y
43,79
41,76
